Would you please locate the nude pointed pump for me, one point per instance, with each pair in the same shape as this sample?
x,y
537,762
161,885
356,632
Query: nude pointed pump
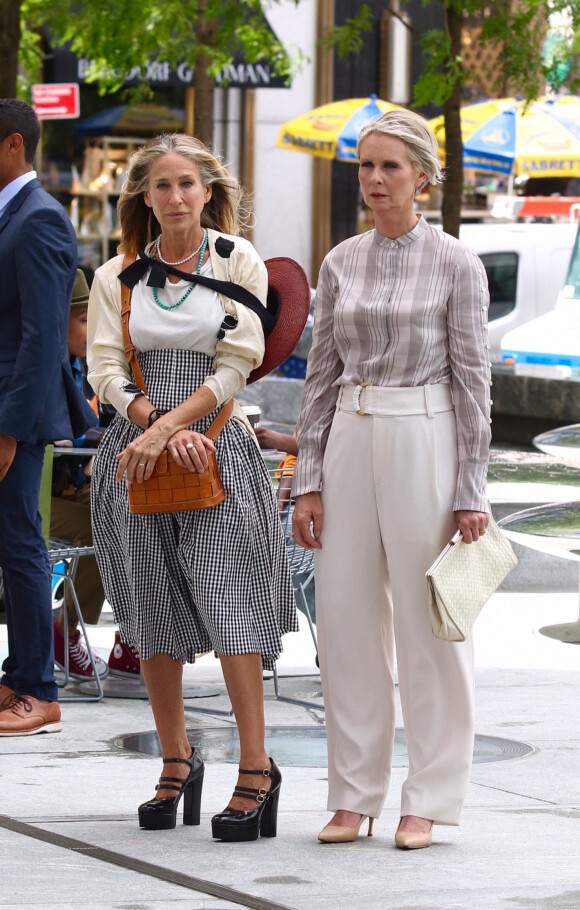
x,y
413,840
341,834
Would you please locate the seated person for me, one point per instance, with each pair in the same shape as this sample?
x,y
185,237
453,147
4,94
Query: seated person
x,y
71,520
283,442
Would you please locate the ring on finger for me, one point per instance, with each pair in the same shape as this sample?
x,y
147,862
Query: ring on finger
x,y
141,464
191,445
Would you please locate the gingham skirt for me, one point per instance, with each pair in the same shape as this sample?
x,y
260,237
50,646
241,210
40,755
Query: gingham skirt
x,y
183,583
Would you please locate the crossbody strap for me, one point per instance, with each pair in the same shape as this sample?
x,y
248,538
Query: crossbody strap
x,y
220,421
135,268
224,412
125,313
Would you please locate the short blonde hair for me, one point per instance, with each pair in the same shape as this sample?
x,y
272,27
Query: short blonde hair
x,y
414,131
226,211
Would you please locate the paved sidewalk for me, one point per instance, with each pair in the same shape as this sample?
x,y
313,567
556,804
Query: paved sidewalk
x,y
69,836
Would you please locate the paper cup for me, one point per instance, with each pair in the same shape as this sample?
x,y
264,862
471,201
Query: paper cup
x,y
252,412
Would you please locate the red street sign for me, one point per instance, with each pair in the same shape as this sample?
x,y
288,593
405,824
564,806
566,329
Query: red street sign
x,y
56,101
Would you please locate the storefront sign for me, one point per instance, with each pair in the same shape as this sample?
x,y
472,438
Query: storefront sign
x,y
159,74
56,101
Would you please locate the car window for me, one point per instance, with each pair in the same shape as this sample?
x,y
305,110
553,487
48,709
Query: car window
x,y
502,278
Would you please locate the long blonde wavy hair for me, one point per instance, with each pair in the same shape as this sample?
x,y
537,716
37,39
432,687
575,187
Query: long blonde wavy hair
x,y
227,210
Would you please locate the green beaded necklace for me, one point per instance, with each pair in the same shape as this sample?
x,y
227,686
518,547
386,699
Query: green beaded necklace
x,y
191,287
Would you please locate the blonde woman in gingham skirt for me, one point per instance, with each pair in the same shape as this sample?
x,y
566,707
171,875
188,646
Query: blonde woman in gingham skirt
x,y
188,582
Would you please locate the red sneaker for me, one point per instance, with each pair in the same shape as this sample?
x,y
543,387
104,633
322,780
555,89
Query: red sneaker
x,y
79,662
124,659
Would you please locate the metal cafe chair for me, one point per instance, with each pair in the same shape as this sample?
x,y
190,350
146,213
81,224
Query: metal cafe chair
x,y
301,563
302,570
64,558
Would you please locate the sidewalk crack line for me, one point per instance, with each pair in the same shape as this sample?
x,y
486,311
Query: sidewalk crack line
x,y
144,868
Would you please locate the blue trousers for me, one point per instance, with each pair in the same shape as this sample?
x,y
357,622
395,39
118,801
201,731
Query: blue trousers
x,y
29,667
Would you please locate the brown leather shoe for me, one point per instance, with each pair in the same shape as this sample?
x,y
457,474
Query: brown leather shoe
x,y
23,715
5,693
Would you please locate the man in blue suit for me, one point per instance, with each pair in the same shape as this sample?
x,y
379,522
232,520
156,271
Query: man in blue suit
x,y
39,401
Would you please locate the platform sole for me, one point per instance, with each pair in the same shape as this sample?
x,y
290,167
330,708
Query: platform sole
x,y
232,835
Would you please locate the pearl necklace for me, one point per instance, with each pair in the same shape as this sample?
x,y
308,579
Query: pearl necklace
x,y
179,261
202,249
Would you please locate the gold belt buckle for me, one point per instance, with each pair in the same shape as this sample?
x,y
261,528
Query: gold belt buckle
x,y
363,385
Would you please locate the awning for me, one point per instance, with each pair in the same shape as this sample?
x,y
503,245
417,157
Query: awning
x,y
61,65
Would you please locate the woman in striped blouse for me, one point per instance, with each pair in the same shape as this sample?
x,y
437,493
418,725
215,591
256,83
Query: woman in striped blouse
x,y
393,443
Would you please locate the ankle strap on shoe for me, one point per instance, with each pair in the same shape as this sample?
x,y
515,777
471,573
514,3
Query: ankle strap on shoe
x,y
179,761
266,772
251,792
170,783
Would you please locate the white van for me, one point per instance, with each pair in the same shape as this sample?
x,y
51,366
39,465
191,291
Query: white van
x,y
526,267
554,337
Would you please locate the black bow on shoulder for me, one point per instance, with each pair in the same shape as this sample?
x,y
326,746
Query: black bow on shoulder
x,y
159,272
158,276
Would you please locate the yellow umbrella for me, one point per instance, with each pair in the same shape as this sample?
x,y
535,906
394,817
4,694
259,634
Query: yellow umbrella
x,y
331,131
501,135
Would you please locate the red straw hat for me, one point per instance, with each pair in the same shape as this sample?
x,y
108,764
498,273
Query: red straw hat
x,y
289,296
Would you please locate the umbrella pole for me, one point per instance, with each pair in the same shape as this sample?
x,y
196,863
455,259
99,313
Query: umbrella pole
x,y
321,205
510,186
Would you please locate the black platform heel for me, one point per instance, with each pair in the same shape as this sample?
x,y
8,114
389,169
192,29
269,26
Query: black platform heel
x,y
237,825
161,814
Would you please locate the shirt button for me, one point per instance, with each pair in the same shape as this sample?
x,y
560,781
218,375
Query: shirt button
x,y
483,306
393,244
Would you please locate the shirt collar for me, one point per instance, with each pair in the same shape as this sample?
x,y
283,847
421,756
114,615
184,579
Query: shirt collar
x,y
13,188
413,235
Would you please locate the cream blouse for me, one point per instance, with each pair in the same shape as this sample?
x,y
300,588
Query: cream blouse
x,y
236,355
191,325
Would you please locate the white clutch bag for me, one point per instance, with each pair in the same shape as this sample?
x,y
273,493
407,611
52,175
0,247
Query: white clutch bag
x,y
463,578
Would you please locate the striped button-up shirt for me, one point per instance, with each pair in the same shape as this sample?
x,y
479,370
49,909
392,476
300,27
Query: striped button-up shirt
x,y
402,312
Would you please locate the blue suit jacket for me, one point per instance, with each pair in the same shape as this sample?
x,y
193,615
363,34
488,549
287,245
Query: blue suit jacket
x,y
39,398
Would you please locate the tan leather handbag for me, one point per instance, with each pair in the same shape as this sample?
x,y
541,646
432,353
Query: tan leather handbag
x,y
172,488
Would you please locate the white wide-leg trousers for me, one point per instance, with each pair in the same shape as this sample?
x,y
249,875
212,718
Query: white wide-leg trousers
x,y
388,486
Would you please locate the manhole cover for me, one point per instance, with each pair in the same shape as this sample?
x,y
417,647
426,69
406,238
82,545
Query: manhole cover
x,y
304,746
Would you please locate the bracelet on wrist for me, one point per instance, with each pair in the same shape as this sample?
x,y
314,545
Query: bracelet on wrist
x,y
154,415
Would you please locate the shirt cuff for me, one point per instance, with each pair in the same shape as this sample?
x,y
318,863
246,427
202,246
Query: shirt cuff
x,y
471,489
308,472
120,392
